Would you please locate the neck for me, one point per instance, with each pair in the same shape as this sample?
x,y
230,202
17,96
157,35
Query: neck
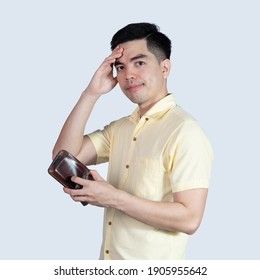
x,y
143,108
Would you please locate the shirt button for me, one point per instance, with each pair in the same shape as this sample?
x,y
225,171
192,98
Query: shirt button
x,y
127,166
107,251
110,223
134,139
147,119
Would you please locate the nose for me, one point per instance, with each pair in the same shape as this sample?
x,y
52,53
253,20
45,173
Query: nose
x,y
129,74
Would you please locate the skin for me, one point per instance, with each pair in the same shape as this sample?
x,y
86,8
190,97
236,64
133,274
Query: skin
x,y
143,80
140,76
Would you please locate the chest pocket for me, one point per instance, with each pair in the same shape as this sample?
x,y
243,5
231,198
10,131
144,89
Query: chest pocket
x,y
148,179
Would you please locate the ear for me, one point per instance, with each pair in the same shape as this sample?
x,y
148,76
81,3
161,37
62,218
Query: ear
x,y
166,67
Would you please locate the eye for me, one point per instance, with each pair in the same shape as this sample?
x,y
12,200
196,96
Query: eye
x,y
140,63
119,68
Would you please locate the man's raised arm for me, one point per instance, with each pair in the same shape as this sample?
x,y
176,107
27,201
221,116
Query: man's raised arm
x,y
71,137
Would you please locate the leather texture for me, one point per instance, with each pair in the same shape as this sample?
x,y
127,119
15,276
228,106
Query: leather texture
x,y
64,166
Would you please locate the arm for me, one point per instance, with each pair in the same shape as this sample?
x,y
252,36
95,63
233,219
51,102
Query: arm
x,y
184,214
72,137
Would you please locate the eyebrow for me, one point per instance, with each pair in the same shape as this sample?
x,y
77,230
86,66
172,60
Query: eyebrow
x,y
117,62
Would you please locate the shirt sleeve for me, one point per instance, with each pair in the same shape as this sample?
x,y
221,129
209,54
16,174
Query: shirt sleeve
x,y
190,158
101,140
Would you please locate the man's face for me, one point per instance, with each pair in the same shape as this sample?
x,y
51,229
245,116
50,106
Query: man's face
x,y
140,76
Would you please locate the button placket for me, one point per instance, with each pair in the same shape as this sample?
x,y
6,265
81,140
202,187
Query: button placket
x,y
110,218
131,150
138,129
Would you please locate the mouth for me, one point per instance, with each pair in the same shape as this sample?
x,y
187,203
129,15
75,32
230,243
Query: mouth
x,y
133,88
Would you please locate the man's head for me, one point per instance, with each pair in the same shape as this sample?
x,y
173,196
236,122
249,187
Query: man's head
x,y
157,42
142,63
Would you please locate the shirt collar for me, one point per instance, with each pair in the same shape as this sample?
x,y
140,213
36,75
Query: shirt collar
x,y
157,110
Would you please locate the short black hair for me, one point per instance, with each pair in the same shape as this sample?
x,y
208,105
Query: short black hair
x,y
157,43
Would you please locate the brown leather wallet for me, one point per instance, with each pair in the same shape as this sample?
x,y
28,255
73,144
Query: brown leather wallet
x,y
64,166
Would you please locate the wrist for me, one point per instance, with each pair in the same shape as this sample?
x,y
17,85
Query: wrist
x,y
121,200
89,95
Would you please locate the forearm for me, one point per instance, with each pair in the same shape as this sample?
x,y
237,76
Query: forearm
x,y
170,216
184,214
71,135
103,81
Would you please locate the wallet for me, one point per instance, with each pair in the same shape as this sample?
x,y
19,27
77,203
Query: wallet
x,y
64,166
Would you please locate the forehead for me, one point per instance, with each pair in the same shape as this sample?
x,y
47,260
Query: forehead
x,y
133,48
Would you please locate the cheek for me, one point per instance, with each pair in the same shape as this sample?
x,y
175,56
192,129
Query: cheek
x,y
153,79
151,74
120,82
121,75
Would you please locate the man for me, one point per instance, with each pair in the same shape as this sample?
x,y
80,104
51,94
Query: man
x,y
159,158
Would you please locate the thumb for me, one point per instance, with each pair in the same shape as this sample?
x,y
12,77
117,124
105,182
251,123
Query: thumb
x,y
96,175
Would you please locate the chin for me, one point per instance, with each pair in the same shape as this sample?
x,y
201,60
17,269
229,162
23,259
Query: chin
x,y
136,99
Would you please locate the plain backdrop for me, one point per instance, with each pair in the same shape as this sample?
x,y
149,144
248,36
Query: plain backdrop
x,y
48,53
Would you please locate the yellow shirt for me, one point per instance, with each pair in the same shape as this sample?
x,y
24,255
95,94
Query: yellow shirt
x,y
163,152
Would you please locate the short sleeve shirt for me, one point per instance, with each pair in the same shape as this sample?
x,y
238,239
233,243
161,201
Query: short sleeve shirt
x,y
163,152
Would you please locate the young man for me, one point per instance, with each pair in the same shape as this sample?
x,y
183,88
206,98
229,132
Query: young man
x,y
159,158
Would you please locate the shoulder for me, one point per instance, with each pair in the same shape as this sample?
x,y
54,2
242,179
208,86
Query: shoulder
x,y
187,131
118,123
178,121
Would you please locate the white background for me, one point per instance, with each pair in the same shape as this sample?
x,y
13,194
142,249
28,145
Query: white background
x,y
49,51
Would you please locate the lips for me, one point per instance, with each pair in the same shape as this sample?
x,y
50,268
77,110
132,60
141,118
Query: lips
x,y
134,87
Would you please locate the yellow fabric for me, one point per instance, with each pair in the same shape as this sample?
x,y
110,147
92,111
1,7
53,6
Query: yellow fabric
x,y
151,157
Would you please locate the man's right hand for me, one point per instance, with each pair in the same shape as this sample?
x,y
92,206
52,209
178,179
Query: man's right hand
x,y
103,80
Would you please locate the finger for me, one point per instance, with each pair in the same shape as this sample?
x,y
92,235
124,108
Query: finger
x,y
96,176
80,181
116,53
110,60
66,190
118,49
80,199
74,192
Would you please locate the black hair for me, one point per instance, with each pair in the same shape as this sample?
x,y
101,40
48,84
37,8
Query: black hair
x,y
157,43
